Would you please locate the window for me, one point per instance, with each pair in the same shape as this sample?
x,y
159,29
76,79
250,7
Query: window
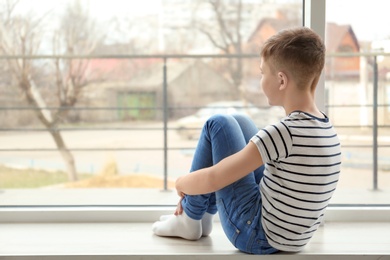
x,y
108,88
105,86
356,84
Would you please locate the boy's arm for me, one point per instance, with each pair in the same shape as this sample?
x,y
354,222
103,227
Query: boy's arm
x,y
227,171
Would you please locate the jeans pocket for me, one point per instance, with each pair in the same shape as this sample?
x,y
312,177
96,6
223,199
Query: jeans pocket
x,y
228,226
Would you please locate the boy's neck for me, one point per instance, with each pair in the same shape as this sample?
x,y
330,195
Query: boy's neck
x,y
301,101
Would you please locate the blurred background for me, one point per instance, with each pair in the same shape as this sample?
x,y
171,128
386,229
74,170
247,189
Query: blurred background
x,y
105,99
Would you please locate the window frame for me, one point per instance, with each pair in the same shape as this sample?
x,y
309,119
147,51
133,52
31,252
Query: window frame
x,y
313,17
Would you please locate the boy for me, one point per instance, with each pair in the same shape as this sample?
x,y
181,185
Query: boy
x,y
271,187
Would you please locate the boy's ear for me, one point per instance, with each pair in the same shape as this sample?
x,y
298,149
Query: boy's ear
x,y
283,80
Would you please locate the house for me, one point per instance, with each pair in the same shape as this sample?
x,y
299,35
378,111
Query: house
x,y
12,113
341,39
190,84
193,84
338,39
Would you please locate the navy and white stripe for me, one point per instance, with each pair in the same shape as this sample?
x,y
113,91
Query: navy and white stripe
x,y
302,158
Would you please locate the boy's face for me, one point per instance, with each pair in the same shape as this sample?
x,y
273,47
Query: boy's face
x,y
270,83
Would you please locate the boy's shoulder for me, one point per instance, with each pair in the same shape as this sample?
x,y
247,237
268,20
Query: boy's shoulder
x,y
302,117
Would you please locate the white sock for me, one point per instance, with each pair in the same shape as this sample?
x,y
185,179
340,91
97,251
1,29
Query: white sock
x,y
207,223
178,226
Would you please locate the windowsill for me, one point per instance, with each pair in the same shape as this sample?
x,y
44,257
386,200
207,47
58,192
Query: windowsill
x,y
139,214
124,232
347,240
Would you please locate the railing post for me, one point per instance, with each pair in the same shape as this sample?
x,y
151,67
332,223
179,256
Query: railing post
x,y
375,125
165,119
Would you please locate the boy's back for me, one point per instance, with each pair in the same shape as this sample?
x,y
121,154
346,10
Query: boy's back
x,y
302,165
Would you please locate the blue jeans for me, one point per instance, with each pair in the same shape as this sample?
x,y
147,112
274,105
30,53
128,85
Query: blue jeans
x,y
238,204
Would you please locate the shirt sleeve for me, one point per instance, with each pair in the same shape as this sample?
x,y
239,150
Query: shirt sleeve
x,y
274,142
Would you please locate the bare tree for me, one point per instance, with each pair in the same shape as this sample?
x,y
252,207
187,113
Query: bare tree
x,y
22,35
134,35
224,32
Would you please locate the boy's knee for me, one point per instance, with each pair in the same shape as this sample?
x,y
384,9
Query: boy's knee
x,y
241,117
218,117
230,118
221,119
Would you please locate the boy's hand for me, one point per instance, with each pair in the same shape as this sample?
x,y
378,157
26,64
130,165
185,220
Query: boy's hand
x,y
179,208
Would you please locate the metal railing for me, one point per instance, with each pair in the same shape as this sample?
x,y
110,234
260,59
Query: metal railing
x,y
375,105
165,105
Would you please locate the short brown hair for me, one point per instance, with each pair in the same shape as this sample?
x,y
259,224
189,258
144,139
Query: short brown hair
x,y
299,51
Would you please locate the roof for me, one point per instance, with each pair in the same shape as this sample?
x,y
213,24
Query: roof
x,y
277,24
334,32
154,76
117,69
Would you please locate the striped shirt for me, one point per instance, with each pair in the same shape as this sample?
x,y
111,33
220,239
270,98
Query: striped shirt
x,y
302,164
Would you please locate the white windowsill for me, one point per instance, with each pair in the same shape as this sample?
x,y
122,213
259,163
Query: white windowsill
x,y
138,214
124,232
334,240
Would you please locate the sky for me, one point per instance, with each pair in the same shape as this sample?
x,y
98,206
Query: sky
x,y
370,20
103,8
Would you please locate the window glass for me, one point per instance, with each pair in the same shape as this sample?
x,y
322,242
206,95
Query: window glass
x,y
356,81
102,101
